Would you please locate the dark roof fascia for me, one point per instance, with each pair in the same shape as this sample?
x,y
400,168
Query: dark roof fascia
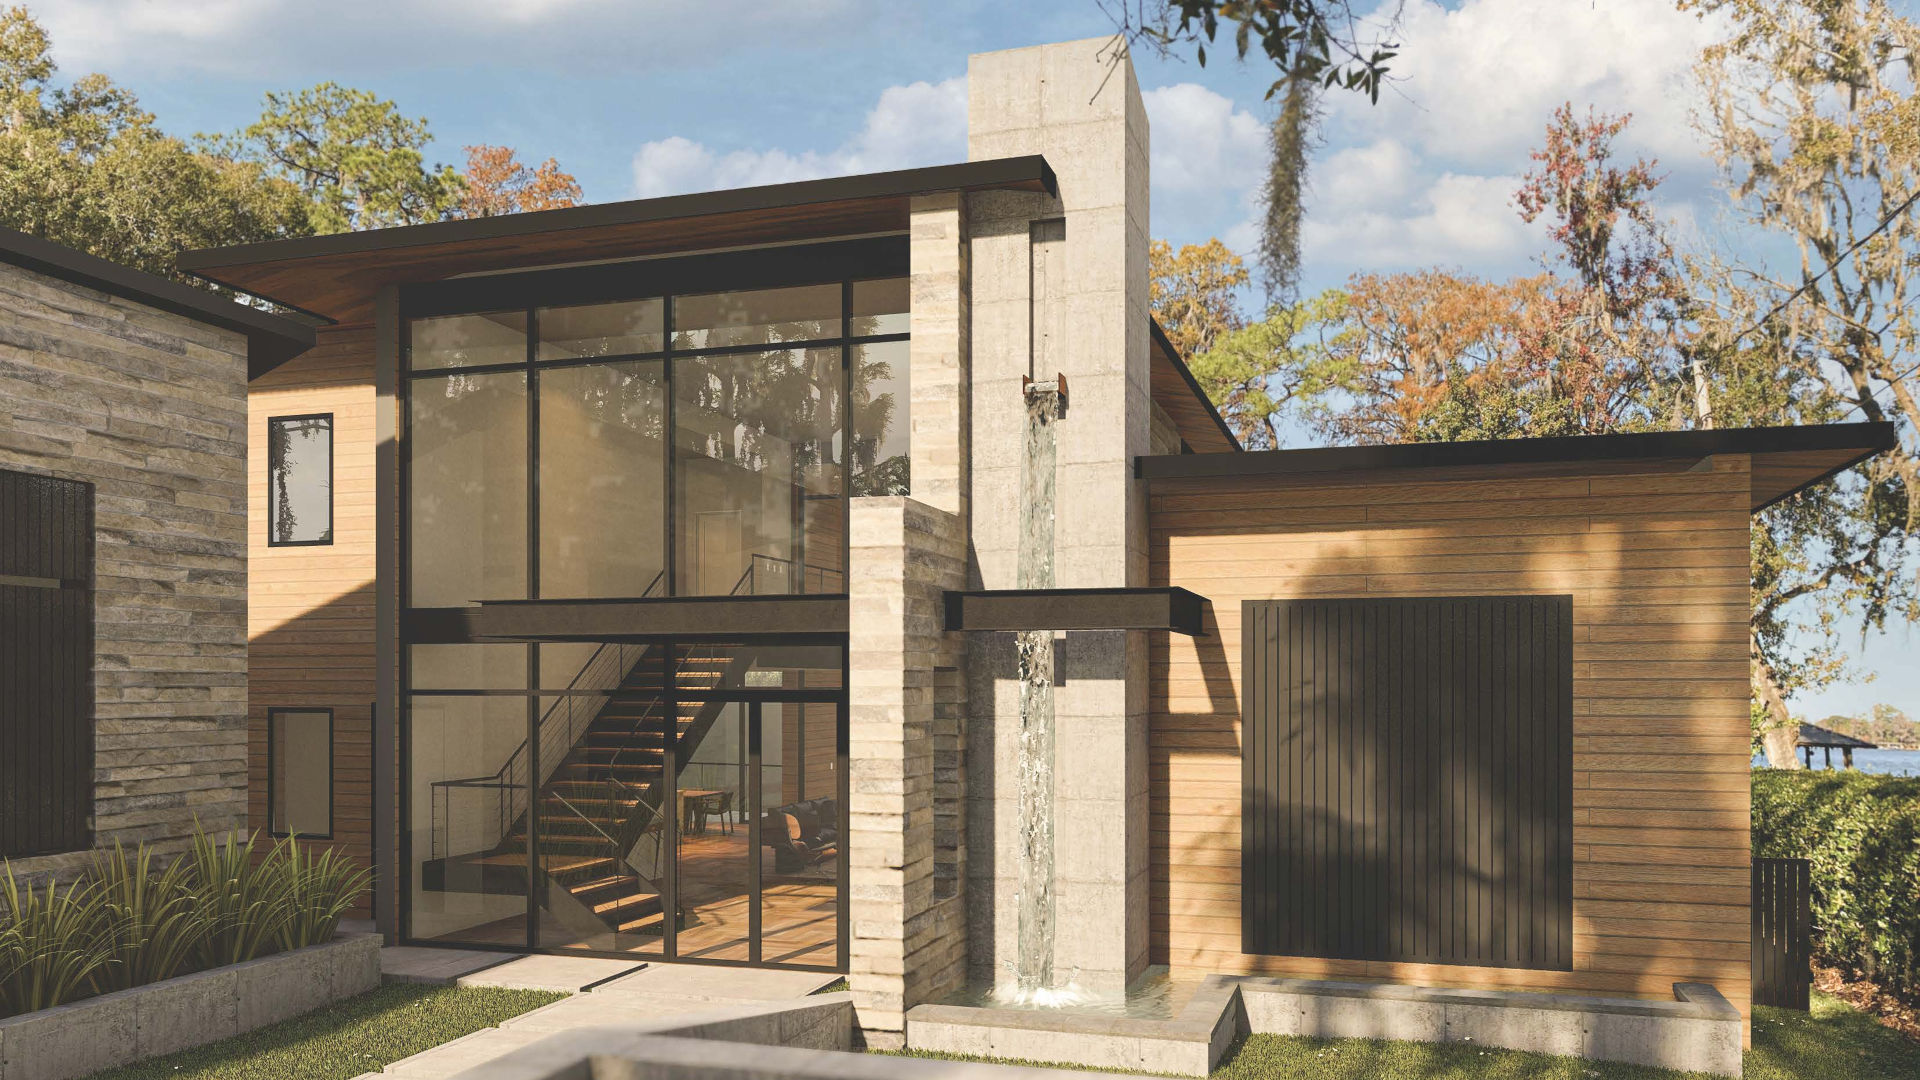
x,y
271,339
998,172
1866,438
1180,365
1169,608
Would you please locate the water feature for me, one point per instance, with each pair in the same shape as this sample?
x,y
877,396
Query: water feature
x,y
1155,995
1033,976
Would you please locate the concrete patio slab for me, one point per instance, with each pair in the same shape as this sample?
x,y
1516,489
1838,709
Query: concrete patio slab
x,y
436,967
709,983
567,974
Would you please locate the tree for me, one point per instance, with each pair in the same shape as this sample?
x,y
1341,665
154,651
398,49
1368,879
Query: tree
x,y
495,183
1810,108
1195,293
1314,45
83,165
1262,374
357,159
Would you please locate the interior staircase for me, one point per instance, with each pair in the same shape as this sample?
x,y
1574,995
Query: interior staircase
x,y
603,798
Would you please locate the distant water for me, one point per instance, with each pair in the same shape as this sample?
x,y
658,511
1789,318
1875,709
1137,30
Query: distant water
x,y
1886,762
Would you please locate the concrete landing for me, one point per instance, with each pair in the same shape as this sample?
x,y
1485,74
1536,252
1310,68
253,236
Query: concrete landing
x,y
435,967
605,994
566,974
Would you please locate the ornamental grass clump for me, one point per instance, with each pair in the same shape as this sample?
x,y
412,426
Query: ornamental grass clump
x,y
130,922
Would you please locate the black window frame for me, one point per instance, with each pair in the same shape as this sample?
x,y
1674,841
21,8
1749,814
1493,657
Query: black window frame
x,y
841,263
272,715
332,432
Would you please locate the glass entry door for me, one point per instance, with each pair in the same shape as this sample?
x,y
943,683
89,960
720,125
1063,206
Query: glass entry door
x,y
672,799
758,866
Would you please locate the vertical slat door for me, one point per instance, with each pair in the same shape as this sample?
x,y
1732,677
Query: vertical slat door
x,y
46,664
1408,780
1782,933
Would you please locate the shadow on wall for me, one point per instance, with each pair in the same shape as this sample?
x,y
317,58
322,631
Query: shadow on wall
x,y
319,657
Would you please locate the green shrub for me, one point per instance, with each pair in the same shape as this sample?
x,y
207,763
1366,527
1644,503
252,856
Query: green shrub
x,y
128,923
1861,833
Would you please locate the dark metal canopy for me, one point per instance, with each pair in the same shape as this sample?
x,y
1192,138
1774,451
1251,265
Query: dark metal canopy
x,y
1167,608
693,616
271,340
336,277
1786,460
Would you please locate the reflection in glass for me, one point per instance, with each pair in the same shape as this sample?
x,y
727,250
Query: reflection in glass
x,y
497,337
469,780
759,438
880,307
300,479
467,667
602,473
799,834
467,489
881,451
301,758
712,872
632,326
756,317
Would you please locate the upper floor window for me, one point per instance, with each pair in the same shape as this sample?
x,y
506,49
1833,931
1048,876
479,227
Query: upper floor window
x,y
300,480
693,444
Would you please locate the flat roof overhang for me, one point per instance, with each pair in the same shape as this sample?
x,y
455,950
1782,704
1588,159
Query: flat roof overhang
x,y
271,339
1160,608
336,277
584,620
1786,460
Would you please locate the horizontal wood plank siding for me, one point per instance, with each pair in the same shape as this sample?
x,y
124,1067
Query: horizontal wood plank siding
x,y
310,618
1656,564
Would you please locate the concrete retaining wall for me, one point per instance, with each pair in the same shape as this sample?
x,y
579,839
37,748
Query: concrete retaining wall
x,y
1698,1031
160,1018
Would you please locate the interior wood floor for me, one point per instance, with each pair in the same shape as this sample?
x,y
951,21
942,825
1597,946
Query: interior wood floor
x,y
799,912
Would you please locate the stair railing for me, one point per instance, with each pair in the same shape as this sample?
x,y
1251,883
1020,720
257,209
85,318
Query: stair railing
x,y
512,778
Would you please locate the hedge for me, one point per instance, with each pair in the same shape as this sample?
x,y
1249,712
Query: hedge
x,y
1862,835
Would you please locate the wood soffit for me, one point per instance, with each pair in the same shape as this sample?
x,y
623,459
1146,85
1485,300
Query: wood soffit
x,y
336,277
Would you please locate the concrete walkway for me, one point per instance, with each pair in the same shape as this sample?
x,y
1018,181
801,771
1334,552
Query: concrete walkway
x,y
603,993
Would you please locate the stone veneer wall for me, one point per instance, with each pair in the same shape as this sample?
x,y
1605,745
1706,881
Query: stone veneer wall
x,y
151,408
908,934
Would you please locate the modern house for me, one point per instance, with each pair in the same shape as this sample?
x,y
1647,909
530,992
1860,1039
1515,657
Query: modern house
x,y
847,574
123,560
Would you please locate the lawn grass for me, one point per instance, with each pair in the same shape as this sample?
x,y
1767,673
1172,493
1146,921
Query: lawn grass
x,y
1834,1042
359,1035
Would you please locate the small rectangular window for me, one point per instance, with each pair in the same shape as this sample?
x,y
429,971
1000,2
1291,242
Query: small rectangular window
x,y
300,480
300,772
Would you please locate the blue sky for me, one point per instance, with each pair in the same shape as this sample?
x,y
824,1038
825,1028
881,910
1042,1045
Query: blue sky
x,y
651,97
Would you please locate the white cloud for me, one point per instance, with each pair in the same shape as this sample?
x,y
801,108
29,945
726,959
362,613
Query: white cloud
x,y
266,38
917,124
1454,221
1480,79
1201,142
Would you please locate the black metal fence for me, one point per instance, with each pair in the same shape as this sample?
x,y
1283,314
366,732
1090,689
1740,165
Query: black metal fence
x,y
1782,933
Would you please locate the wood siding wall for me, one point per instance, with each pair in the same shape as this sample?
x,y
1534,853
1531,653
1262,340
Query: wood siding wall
x,y
1657,565
310,620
